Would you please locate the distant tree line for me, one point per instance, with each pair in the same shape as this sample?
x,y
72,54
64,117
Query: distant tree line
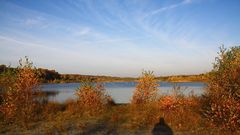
x,y
184,78
44,75
52,76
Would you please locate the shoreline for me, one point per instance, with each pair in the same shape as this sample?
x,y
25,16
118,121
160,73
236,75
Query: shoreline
x,y
203,81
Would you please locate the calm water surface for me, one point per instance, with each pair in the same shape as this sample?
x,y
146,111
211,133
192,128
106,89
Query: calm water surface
x,y
122,92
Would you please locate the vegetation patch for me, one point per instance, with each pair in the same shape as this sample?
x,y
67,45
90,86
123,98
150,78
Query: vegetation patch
x,y
24,110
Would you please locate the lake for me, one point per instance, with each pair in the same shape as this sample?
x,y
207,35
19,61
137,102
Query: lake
x,y
121,92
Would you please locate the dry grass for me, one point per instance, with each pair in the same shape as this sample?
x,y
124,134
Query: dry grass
x,y
182,115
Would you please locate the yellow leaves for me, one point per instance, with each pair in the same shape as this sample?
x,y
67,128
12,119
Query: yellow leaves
x,y
146,89
19,98
92,98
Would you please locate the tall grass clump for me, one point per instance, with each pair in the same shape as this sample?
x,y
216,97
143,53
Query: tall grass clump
x,y
221,104
92,99
19,97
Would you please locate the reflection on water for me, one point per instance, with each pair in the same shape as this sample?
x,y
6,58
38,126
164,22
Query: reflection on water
x,y
121,92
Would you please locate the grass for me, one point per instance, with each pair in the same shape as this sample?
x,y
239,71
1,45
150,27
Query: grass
x,y
182,115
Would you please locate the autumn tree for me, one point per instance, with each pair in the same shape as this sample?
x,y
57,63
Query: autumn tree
x,y
146,89
92,98
19,100
222,100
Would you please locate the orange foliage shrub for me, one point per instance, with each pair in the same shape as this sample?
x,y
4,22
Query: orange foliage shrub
x,y
20,98
221,104
179,110
173,102
167,103
92,98
223,111
146,90
143,108
225,76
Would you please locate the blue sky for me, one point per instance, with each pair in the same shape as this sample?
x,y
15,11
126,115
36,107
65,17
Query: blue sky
x,y
118,38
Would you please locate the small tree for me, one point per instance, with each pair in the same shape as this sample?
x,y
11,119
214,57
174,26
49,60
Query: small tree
x,y
222,101
225,77
92,98
146,89
20,97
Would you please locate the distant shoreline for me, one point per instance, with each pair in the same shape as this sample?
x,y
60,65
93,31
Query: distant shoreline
x,y
52,76
203,81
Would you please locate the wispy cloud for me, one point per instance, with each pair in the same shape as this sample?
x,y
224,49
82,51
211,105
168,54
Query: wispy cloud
x,y
83,31
34,21
169,7
24,43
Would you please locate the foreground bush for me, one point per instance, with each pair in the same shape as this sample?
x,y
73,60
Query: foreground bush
x,y
146,89
225,76
221,104
223,111
7,79
92,99
143,108
19,98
